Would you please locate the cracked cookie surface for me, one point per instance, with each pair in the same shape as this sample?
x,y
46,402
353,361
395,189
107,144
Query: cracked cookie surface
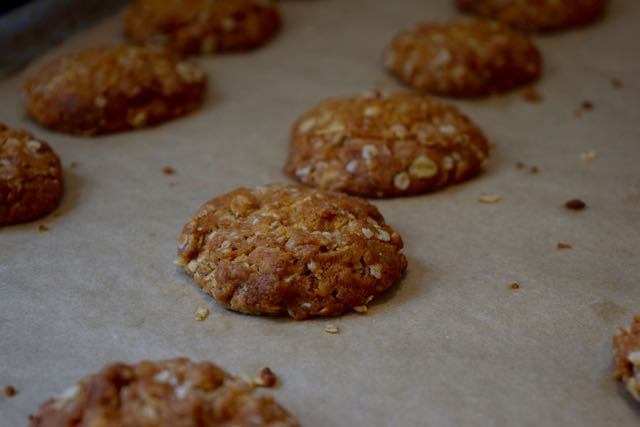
x,y
167,393
536,15
202,26
278,250
385,146
626,350
114,88
31,180
464,58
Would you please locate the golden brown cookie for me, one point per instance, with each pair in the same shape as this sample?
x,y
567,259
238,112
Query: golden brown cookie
x,y
31,182
626,350
115,88
202,26
536,15
385,146
290,249
167,393
463,58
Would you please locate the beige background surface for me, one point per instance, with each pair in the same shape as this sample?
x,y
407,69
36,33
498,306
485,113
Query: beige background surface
x,y
451,344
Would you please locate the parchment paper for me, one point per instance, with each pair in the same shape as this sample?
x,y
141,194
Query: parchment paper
x,y
451,345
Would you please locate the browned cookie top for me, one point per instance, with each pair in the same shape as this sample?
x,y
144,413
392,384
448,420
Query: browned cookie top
x,y
202,26
463,58
290,249
166,393
108,89
31,182
536,15
626,350
384,146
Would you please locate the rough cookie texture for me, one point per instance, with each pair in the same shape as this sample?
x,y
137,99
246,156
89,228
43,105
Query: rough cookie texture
x,y
202,26
31,181
290,249
536,15
109,89
463,58
166,393
626,350
384,146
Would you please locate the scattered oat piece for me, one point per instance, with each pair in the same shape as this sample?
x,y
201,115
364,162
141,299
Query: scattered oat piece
x,y
267,378
616,83
532,95
587,105
575,204
202,313
42,228
588,156
514,285
489,198
10,391
534,170
562,246
168,170
520,165
360,309
73,164
331,329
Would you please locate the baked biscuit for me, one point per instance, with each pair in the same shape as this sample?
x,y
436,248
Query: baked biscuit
x,y
110,89
31,182
464,58
290,249
166,393
202,26
536,15
626,350
385,146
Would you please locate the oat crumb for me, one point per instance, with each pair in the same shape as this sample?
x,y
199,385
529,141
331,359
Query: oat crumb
x,y
534,170
575,204
202,313
331,329
360,309
42,228
587,105
10,391
168,170
532,95
562,246
73,164
588,156
616,83
266,378
514,285
520,165
489,198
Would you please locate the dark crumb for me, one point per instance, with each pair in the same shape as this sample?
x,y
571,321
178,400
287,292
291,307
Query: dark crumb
x,y
42,228
57,214
168,170
616,83
514,285
520,165
587,105
534,169
10,391
564,246
172,184
267,377
575,204
532,95
73,165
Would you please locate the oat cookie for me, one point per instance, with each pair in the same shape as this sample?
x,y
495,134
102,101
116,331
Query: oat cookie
x,y
385,146
536,15
167,393
31,182
202,26
290,249
463,58
626,350
115,88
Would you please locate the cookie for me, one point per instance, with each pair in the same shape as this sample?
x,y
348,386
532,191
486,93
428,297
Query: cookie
x,y
202,26
110,89
278,250
167,393
536,15
467,58
626,350
31,182
385,146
